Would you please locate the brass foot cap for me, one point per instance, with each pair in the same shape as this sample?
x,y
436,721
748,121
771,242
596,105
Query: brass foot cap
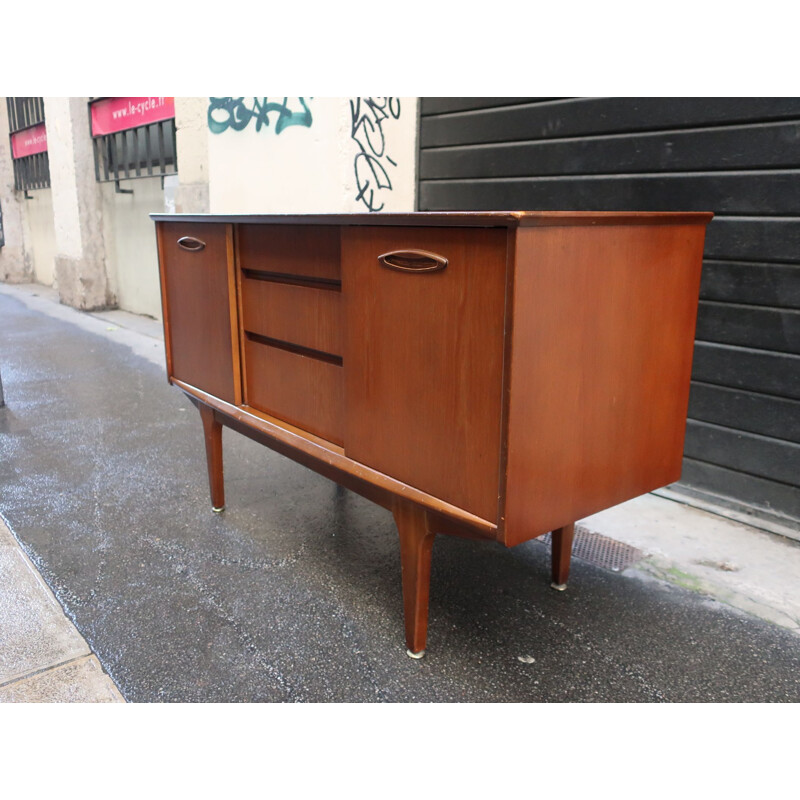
x,y
217,510
559,587
415,655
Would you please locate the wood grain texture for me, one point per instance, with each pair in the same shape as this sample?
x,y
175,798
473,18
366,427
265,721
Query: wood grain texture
x,y
300,389
330,461
197,315
416,544
280,249
300,315
561,555
423,361
233,307
604,324
540,376
161,245
212,431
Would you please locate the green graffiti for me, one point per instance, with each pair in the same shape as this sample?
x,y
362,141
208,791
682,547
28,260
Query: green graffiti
x,y
234,113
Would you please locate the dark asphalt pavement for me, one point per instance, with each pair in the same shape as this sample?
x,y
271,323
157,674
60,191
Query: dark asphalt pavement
x,y
293,593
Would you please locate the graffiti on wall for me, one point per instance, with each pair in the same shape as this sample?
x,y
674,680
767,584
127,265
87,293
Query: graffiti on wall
x,y
372,162
237,113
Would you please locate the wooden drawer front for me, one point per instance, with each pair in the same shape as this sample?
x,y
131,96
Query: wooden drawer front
x,y
304,251
199,306
300,315
304,391
424,359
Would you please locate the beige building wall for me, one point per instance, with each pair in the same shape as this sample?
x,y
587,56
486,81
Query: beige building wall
x,y
40,235
15,260
80,261
131,254
191,142
235,155
311,155
30,249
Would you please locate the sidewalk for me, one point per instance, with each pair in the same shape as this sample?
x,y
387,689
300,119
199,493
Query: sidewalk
x,y
742,567
43,658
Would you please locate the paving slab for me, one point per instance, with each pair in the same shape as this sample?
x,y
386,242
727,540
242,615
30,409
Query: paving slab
x,y
79,681
750,569
34,632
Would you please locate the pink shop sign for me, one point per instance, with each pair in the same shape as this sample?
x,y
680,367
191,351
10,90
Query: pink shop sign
x,y
29,142
121,113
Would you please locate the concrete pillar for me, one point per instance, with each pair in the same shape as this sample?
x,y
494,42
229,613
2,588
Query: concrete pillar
x,y
15,262
191,134
80,262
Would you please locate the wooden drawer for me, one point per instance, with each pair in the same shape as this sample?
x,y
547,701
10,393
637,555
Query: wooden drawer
x,y
304,391
199,306
309,252
301,315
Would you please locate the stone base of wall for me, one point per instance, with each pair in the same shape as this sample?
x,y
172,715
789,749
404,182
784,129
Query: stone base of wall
x,y
77,289
15,266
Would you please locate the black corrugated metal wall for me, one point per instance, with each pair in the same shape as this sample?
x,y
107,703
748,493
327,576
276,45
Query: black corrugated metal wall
x,y
737,157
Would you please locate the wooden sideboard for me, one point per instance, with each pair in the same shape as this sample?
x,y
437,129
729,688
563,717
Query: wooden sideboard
x,y
490,375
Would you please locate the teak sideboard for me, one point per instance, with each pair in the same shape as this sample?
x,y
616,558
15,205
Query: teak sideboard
x,y
490,375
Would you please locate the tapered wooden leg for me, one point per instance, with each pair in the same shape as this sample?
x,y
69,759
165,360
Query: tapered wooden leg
x,y
562,553
213,435
416,543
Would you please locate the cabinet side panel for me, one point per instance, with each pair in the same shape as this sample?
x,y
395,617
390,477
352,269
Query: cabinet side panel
x,y
196,299
604,322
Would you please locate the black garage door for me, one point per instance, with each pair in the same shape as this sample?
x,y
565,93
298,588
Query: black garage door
x,y
737,157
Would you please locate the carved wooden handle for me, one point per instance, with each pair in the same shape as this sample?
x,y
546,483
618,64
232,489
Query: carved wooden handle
x,y
413,261
191,244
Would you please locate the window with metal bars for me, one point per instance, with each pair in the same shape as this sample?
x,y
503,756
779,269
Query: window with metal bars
x,y
28,143
133,137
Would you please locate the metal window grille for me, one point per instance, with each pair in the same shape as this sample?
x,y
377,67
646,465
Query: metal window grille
x,y
142,152
30,172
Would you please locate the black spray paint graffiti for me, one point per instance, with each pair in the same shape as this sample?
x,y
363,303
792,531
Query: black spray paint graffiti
x,y
233,113
367,115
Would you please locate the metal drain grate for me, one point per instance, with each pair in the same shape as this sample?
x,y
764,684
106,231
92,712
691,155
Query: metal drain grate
x,y
600,550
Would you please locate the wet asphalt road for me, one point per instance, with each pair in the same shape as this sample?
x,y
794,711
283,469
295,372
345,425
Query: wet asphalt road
x,y
293,593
